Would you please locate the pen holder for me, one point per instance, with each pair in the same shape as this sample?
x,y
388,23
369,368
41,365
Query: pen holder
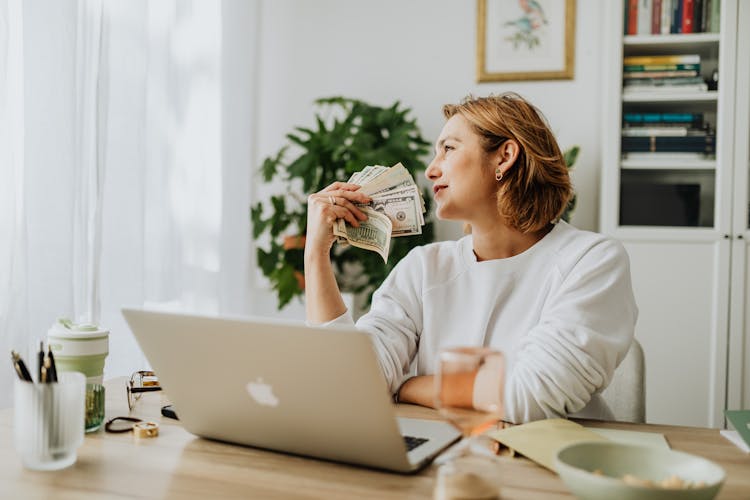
x,y
48,421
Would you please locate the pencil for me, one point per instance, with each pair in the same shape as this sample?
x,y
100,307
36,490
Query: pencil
x,y
20,366
52,367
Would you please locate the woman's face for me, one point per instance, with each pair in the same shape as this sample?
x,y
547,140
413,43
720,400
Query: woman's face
x,y
463,176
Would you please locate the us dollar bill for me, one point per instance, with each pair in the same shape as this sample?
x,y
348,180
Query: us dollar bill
x,y
373,234
404,212
397,209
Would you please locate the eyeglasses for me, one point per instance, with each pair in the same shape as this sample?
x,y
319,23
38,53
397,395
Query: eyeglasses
x,y
140,428
140,382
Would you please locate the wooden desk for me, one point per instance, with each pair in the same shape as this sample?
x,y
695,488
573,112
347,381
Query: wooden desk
x,y
179,465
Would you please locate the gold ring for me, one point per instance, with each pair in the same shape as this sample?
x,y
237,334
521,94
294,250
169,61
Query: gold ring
x,y
332,200
146,429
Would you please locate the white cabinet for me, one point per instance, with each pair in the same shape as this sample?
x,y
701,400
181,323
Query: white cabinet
x,y
684,220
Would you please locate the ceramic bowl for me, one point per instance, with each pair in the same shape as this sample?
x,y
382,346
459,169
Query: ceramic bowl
x,y
595,470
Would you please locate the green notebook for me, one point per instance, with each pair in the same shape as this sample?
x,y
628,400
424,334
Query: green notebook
x,y
740,419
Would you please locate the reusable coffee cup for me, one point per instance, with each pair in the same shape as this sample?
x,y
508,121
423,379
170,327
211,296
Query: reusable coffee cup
x,y
83,348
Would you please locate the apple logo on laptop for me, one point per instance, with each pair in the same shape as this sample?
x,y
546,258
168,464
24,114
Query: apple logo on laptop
x,y
262,393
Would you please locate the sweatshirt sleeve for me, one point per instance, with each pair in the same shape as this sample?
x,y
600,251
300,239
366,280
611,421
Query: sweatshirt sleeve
x,y
584,332
394,321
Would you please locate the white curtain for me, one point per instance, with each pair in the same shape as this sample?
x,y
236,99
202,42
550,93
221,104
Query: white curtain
x,y
162,206
89,158
13,304
117,155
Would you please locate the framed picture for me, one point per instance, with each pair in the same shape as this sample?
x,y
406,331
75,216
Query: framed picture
x,y
525,39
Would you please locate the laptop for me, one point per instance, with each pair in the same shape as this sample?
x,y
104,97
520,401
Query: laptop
x,y
284,386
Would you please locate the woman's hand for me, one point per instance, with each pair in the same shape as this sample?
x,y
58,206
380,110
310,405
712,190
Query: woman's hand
x,y
323,300
325,207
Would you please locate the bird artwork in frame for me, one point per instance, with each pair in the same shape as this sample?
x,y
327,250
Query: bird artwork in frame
x,y
525,40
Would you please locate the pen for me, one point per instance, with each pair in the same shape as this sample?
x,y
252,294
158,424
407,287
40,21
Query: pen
x,y
41,360
47,370
52,368
20,366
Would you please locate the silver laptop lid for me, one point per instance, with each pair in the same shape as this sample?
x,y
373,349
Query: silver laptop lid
x,y
275,384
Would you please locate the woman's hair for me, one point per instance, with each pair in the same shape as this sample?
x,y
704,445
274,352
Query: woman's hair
x,y
536,190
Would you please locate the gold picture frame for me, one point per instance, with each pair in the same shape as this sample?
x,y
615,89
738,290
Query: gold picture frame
x,y
526,42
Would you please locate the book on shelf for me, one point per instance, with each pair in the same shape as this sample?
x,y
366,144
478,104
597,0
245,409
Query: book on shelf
x,y
656,17
677,84
688,12
653,17
664,81
678,73
693,120
645,9
662,59
666,17
664,89
679,66
635,68
677,6
656,131
631,16
697,143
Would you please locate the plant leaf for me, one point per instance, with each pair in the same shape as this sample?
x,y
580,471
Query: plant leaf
x,y
571,155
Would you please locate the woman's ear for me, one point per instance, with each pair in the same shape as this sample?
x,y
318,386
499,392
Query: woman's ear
x,y
506,155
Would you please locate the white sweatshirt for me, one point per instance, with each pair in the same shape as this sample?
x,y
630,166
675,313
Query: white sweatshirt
x,y
563,312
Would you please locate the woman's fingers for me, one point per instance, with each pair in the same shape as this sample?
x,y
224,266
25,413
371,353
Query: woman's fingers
x,y
346,214
341,186
340,201
334,207
337,201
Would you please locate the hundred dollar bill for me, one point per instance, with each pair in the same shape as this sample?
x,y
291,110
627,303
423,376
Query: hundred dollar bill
x,y
403,211
394,176
402,208
395,199
410,191
373,234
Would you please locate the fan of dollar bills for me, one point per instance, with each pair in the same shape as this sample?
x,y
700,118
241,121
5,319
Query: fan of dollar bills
x,y
396,209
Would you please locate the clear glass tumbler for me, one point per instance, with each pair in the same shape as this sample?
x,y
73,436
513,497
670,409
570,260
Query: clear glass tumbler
x,y
49,420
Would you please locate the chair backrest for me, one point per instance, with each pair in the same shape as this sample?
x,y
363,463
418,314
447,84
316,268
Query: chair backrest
x,y
626,394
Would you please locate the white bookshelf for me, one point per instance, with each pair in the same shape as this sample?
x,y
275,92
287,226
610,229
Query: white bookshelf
x,y
651,42
686,277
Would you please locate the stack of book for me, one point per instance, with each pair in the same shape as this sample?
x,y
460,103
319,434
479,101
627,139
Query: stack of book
x,y
662,73
662,17
682,133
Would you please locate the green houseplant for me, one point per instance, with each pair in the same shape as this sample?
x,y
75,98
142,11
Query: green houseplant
x,y
570,156
349,134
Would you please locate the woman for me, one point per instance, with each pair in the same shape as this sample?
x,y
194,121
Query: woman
x,y
556,300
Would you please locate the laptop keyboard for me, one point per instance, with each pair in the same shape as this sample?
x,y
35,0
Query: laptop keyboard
x,y
412,442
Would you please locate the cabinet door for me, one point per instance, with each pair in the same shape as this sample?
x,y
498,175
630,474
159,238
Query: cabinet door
x,y
738,375
681,289
738,371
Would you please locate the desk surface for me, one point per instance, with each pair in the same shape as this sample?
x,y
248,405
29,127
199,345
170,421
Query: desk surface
x,y
179,465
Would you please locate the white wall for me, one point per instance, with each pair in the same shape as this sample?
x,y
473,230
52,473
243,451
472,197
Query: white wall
x,y
277,58
423,53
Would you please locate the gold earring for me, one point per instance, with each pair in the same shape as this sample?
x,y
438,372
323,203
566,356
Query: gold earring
x,y
498,174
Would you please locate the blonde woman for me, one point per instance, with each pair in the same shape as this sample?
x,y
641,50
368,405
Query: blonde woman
x,y
557,301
